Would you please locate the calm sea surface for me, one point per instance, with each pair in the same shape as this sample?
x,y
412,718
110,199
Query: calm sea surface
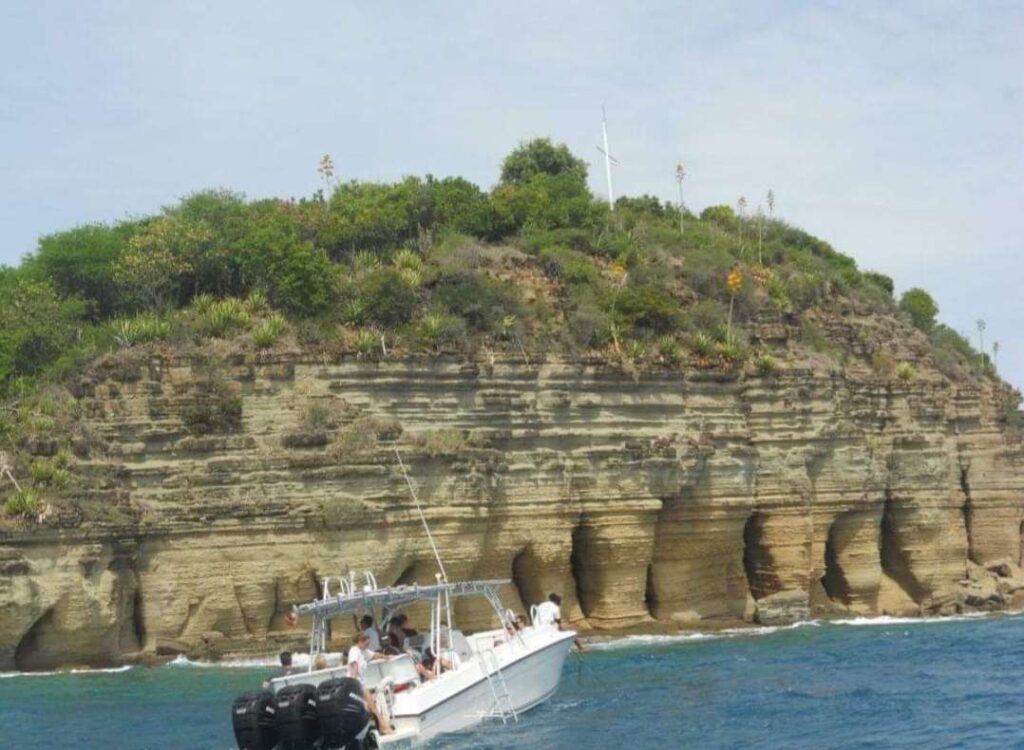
x,y
892,684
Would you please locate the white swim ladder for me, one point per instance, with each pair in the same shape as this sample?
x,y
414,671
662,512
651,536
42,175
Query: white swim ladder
x,y
503,707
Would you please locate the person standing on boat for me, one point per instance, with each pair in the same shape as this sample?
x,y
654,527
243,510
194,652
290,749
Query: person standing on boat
x,y
550,613
359,656
366,626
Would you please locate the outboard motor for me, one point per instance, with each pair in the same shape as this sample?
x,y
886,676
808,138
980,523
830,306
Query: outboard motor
x,y
296,721
345,719
252,717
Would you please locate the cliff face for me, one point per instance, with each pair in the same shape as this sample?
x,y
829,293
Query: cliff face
x,y
685,496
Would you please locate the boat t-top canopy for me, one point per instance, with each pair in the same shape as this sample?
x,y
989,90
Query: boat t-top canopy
x,y
351,600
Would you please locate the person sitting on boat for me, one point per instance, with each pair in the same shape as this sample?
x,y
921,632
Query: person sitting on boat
x,y
398,632
430,666
366,625
320,662
286,663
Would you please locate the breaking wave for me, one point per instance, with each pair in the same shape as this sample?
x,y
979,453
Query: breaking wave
x,y
105,670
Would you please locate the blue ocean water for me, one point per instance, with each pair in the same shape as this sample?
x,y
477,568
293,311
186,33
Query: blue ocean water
x,y
890,683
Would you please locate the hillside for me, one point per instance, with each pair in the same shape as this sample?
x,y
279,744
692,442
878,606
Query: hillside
x,y
682,419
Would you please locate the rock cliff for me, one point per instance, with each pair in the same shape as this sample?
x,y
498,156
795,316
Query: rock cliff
x,y
680,495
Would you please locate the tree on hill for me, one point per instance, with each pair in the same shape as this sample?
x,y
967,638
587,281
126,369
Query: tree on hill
x,y
541,157
921,308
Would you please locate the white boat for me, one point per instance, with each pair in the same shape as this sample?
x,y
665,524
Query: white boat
x,y
496,674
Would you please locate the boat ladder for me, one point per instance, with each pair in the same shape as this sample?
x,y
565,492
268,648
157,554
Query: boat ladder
x,y
502,707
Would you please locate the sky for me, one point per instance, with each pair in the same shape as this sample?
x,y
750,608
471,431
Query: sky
x,y
892,130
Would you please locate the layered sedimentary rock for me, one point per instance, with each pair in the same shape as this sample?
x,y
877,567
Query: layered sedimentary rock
x,y
681,496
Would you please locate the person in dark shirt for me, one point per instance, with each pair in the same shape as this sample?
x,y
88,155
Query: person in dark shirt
x,y
286,663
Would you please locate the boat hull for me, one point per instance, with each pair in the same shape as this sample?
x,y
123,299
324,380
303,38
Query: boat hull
x,y
531,676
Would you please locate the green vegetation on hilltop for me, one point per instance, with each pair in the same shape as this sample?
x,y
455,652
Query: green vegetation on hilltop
x,y
426,264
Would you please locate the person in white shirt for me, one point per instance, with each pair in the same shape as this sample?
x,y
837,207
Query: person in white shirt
x,y
366,625
550,612
359,656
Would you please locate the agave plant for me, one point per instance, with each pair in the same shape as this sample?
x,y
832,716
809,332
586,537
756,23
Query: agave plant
x,y
407,259
140,329
353,311
256,302
669,350
365,342
268,332
411,277
365,261
224,316
702,344
23,503
203,302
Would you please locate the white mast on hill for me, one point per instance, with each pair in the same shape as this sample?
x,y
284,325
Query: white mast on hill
x,y
608,158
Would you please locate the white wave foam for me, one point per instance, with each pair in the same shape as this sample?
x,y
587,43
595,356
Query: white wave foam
x,y
106,670
262,662
889,620
632,641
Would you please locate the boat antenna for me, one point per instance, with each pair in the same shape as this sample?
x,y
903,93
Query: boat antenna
x,y
423,518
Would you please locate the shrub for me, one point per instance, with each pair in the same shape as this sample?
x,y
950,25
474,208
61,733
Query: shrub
x,y
318,416
216,408
569,266
883,364
905,372
722,215
266,333
766,364
387,297
481,301
649,307
22,504
921,308
590,326
708,316
441,442
814,337
880,280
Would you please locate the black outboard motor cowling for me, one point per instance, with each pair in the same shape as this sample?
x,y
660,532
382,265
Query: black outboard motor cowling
x,y
252,718
296,719
345,720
